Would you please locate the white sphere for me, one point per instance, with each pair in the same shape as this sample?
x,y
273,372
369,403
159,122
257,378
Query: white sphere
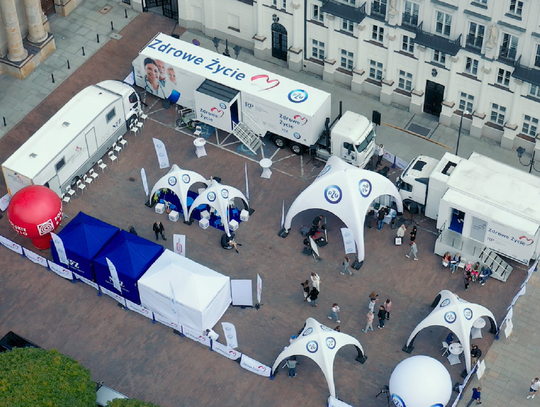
x,y
420,381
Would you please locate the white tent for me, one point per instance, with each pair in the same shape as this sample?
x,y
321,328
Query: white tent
x,y
457,315
185,292
321,344
219,197
347,192
178,181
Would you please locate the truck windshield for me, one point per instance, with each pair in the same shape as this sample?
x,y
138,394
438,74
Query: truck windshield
x,y
365,143
133,98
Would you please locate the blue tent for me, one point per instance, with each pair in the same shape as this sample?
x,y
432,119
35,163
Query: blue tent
x,y
83,238
132,256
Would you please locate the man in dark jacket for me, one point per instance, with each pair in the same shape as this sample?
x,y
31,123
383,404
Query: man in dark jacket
x,y
159,229
382,316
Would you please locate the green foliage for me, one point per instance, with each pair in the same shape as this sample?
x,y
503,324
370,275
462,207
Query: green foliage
x,y
31,377
130,403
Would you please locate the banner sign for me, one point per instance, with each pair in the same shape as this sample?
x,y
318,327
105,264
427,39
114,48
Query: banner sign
x,y
4,202
60,249
259,288
165,321
61,271
224,350
17,248
86,281
253,366
114,275
334,402
161,152
139,309
402,164
247,180
144,181
179,244
196,336
509,328
510,242
230,334
348,240
112,294
36,258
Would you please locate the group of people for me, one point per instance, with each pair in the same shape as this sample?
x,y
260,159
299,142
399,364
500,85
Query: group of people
x,y
311,289
383,313
471,274
412,244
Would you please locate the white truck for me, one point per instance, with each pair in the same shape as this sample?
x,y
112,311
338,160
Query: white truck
x,y
249,102
74,139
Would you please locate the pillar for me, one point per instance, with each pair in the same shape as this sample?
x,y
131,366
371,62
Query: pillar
x,y
481,106
448,104
295,57
16,51
511,129
387,82
359,72
259,49
330,65
417,95
36,32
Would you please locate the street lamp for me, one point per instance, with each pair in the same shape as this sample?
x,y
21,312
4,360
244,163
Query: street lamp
x,y
463,112
520,152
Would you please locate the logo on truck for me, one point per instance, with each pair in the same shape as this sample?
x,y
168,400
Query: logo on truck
x,y
300,119
264,82
217,112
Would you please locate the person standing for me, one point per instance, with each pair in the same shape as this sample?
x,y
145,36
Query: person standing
x,y
291,364
476,353
380,154
345,266
369,321
380,219
467,278
401,231
371,305
159,229
313,295
476,396
413,233
334,312
535,384
387,308
413,252
316,281
305,288
381,315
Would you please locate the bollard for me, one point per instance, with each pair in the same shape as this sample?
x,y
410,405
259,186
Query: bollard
x,y
52,76
83,54
97,36
5,124
112,26
68,64
125,12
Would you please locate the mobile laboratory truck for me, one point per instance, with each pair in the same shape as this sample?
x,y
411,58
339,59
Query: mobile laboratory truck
x,y
229,95
71,141
477,202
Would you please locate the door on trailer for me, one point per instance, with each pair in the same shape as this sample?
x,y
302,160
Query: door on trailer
x,y
91,142
54,185
279,41
234,113
456,224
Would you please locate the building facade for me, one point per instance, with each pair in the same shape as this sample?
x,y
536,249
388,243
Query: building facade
x,y
479,59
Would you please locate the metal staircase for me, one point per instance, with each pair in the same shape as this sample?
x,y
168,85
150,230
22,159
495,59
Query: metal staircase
x,y
501,269
244,131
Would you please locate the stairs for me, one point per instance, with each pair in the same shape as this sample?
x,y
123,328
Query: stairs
x,y
243,132
501,269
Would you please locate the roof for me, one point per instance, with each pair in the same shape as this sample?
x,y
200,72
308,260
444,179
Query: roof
x,y
218,91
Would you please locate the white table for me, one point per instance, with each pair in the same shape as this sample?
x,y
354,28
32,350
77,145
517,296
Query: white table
x,y
455,348
479,323
199,144
266,163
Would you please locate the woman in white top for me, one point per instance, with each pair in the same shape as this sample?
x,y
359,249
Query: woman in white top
x,y
151,80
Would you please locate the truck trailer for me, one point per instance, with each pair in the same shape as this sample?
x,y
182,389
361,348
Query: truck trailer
x,y
71,142
250,102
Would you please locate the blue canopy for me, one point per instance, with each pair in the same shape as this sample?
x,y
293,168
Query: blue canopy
x,y
83,239
132,256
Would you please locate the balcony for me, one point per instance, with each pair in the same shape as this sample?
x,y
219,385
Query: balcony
x,y
526,74
341,10
474,43
410,20
436,42
507,54
378,10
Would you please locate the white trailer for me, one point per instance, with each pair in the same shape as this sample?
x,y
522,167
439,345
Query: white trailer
x,y
236,97
72,141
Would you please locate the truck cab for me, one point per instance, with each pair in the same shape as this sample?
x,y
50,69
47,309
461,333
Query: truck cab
x,y
130,99
413,183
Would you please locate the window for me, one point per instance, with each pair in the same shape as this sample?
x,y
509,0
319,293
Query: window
x,y
471,66
378,33
530,126
497,114
503,77
410,13
349,1
537,58
318,15
375,70
466,102
444,21
439,57
60,164
405,81
379,7
508,47
347,25
475,38
347,60
284,4
274,3
480,1
408,44
535,91
317,49
516,7
111,115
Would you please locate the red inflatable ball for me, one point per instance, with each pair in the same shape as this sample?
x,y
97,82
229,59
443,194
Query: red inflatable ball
x,y
34,212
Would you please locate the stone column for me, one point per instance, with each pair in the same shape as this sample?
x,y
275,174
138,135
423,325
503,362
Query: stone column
x,y
259,38
417,95
511,129
387,82
16,51
330,63
362,64
295,57
479,115
36,32
447,112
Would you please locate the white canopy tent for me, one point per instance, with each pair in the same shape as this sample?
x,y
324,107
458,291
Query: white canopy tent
x,y
347,192
219,197
185,292
178,181
321,344
457,315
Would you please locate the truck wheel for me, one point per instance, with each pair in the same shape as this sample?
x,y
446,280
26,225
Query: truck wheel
x,y
131,120
74,181
297,149
279,141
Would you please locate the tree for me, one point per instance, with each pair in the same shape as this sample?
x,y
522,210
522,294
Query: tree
x,y
130,403
31,377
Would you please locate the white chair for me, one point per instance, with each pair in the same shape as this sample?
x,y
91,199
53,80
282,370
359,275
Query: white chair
x,y
88,180
112,157
198,131
140,124
116,148
445,347
453,359
93,174
66,198
462,263
102,165
143,116
134,129
70,191
122,141
81,185
476,333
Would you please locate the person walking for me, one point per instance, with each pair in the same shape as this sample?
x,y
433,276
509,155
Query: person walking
x,y
380,219
334,312
345,266
313,295
369,321
476,396
380,154
467,278
291,364
315,281
387,308
413,252
413,233
535,384
305,289
382,316
159,229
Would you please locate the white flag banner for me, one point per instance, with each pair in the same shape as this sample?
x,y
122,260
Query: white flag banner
x,y
196,336
60,249
247,180
348,240
166,321
114,275
36,258
334,402
283,214
224,350
161,152
4,202
259,288
86,281
139,309
253,366
17,248
144,181
112,294
179,244
230,334
61,271
509,328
